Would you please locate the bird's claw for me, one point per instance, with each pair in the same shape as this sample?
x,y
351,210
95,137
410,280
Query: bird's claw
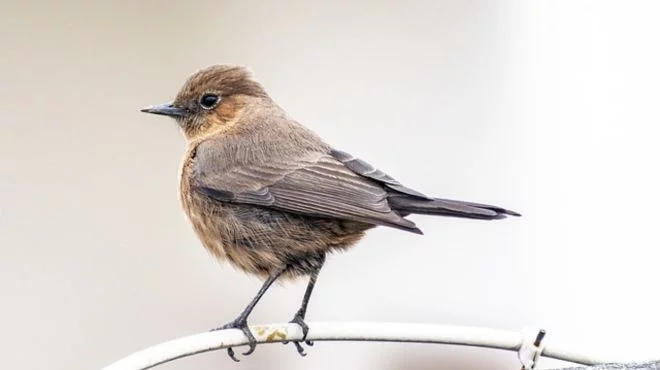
x,y
300,320
243,326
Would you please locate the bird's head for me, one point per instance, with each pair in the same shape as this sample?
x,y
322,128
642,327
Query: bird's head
x,y
210,99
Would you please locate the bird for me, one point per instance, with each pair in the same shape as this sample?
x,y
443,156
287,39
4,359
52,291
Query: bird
x,y
272,198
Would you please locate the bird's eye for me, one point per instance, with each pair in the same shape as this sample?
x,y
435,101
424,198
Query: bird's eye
x,y
209,101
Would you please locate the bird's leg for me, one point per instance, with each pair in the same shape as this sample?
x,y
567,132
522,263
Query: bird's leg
x,y
299,317
241,321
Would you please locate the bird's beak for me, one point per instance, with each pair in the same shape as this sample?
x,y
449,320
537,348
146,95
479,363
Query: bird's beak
x,y
166,109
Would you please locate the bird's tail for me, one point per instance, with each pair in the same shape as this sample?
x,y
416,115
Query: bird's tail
x,y
406,204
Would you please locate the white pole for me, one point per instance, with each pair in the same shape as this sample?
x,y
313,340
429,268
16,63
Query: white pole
x,y
348,331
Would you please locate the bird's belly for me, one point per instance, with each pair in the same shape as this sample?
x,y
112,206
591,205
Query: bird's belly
x,y
263,241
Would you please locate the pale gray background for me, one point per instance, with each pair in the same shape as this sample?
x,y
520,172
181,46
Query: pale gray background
x,y
547,107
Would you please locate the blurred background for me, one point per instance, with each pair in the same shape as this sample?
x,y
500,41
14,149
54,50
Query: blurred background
x,y
549,108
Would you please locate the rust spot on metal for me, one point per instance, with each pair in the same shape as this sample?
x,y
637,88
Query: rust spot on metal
x,y
276,335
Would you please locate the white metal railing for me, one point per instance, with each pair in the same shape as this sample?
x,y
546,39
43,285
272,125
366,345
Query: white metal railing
x,y
528,345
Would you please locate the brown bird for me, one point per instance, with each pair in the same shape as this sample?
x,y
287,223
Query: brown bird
x,y
271,197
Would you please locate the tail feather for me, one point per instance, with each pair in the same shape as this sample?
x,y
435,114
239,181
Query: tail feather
x,y
446,207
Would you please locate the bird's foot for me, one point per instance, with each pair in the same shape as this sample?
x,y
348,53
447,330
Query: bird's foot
x,y
240,323
299,319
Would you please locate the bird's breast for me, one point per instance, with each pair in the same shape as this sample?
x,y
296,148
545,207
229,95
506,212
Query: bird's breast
x,y
208,218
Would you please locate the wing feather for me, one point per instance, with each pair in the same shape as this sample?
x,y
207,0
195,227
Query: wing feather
x,y
365,169
313,184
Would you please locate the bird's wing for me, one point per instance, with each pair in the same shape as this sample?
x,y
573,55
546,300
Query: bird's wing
x,y
314,184
406,200
363,168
